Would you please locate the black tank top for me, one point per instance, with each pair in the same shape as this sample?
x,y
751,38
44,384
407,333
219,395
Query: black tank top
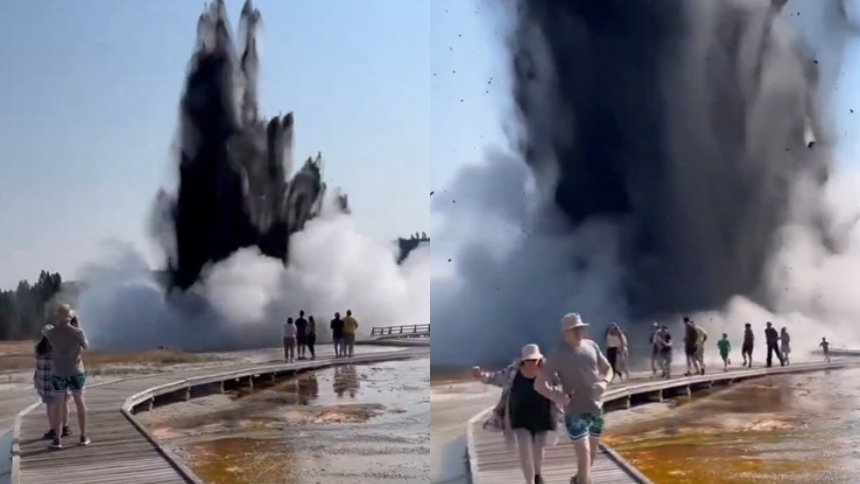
x,y
529,409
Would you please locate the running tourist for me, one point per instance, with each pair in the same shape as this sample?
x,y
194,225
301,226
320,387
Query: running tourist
x,y
68,375
584,374
691,348
665,343
771,337
655,343
825,348
748,344
725,347
616,347
523,414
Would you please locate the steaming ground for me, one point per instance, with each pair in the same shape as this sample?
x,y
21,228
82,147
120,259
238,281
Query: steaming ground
x,y
524,259
243,300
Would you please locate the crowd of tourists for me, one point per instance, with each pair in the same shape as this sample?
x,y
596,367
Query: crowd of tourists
x,y
300,336
565,388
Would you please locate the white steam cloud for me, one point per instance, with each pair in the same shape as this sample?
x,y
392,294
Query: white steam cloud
x,y
511,287
243,301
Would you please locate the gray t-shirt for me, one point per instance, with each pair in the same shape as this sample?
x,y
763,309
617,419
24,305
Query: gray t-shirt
x,y
577,370
67,344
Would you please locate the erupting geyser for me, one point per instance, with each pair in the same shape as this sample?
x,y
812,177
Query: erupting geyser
x,y
234,190
689,122
676,148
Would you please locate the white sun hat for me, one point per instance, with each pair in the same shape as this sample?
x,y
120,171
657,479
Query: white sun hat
x,y
530,352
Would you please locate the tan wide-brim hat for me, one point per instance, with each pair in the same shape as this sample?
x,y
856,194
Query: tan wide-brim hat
x,y
530,352
63,311
572,321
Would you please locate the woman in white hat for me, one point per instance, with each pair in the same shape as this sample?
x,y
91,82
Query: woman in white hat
x,y
523,414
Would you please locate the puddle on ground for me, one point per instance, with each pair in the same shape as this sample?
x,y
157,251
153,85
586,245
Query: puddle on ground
x,y
356,424
789,428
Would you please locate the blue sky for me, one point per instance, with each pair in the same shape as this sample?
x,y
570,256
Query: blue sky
x,y
88,111
396,94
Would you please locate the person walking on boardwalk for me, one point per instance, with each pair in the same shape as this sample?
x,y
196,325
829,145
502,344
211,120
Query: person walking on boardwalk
x,y
748,345
701,339
616,345
771,337
289,340
337,335
785,345
523,414
311,337
42,384
725,347
350,325
665,342
301,335
584,374
67,346
691,350
825,349
654,343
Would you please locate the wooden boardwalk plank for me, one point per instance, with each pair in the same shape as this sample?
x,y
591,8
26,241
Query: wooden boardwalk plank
x,y
496,464
120,452
491,462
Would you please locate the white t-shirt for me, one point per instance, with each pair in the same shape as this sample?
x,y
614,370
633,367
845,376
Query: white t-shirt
x,y
613,341
289,330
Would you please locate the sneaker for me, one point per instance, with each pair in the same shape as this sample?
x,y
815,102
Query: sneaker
x,y
66,431
84,440
55,444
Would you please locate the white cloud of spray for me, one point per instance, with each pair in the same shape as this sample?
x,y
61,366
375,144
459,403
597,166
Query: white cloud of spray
x,y
517,271
243,300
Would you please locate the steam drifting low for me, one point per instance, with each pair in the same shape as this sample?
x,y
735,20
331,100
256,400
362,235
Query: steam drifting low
x,y
245,245
673,158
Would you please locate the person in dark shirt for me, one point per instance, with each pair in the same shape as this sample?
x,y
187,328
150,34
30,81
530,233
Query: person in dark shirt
x,y
526,417
301,335
337,335
665,342
747,346
691,348
771,336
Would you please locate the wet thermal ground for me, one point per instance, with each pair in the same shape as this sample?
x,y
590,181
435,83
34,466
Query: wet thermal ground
x,y
782,429
353,424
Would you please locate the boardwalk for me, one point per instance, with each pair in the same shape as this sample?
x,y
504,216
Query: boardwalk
x,y
491,462
121,452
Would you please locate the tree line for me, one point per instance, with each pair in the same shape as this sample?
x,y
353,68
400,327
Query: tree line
x,y
23,309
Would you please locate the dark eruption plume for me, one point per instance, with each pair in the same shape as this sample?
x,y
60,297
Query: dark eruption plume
x,y
234,165
671,158
689,123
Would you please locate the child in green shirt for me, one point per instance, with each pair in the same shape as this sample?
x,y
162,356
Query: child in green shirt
x,y
725,348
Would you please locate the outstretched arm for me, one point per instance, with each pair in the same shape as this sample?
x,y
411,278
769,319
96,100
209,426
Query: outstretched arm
x,y
497,378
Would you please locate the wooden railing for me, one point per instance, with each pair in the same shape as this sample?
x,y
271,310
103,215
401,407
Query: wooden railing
x,y
406,330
